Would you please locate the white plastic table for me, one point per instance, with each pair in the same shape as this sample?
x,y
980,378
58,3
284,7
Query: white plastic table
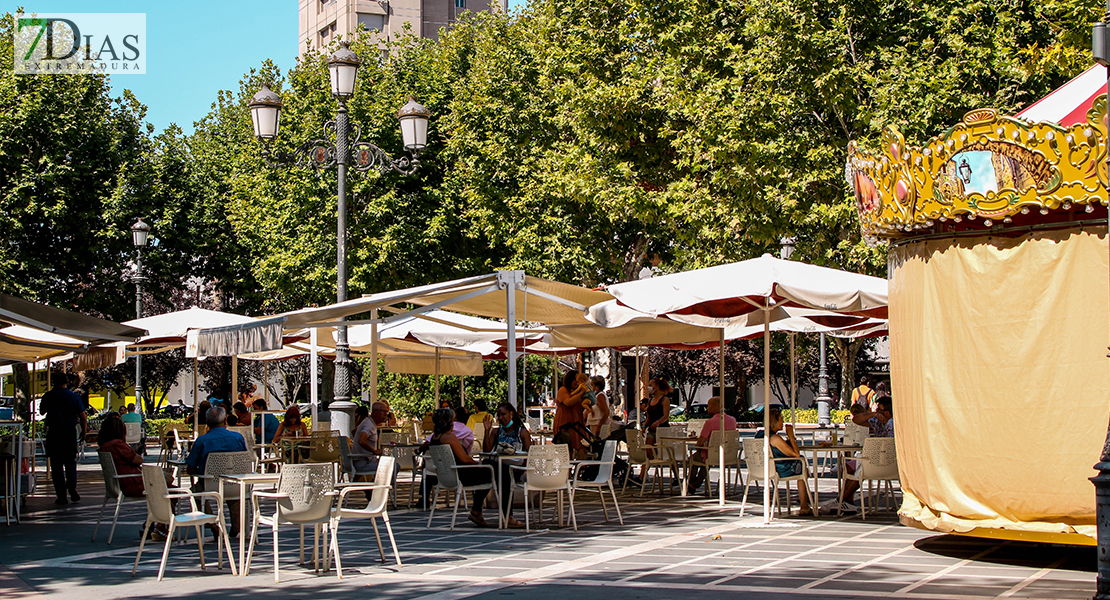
x,y
244,480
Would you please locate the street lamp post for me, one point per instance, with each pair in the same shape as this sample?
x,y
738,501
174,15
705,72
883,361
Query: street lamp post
x,y
140,231
323,154
824,414
1100,48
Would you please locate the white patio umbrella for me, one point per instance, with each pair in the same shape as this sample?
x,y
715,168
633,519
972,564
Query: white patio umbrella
x,y
733,294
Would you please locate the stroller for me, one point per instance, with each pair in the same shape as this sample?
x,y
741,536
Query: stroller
x,y
597,446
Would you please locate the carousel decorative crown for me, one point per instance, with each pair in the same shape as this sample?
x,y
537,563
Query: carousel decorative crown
x,y
988,172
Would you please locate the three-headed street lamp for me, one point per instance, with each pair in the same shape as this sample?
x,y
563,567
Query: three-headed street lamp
x,y
322,153
140,231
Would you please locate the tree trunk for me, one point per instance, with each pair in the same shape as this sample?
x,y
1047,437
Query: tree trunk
x,y
846,350
21,383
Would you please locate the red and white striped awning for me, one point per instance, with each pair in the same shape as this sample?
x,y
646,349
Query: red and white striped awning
x,y
1068,104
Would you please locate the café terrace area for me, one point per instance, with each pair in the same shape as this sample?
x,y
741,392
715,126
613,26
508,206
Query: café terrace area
x,y
669,546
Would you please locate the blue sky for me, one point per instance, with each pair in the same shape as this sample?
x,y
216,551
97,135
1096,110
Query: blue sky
x,y
195,48
191,54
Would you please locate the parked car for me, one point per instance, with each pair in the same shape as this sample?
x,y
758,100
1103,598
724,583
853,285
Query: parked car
x,y
698,410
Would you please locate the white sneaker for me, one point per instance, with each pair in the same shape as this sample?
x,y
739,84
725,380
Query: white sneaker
x,y
848,507
829,504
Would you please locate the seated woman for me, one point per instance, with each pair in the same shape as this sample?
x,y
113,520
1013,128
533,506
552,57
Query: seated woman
x,y
787,448
292,426
111,439
242,414
443,421
509,432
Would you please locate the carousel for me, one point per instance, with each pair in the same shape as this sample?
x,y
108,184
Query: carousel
x,y
999,313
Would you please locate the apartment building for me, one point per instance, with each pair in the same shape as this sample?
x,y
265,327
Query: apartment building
x,y
322,20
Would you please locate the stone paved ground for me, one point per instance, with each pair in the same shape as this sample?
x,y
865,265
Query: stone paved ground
x,y
668,547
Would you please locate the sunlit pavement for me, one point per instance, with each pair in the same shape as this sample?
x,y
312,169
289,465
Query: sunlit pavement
x,y
668,547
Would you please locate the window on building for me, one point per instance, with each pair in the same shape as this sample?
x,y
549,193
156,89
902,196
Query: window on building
x,y
371,22
460,3
322,4
327,33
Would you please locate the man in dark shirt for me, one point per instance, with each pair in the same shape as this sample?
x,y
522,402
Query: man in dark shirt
x,y
63,413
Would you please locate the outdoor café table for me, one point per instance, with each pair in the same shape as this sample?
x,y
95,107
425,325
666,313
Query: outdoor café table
x,y
840,450
292,443
518,458
686,442
14,480
244,481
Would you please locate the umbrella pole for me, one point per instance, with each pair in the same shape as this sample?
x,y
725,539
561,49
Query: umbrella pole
x,y
636,390
374,355
437,377
313,396
266,383
721,428
234,379
196,417
767,415
793,387
462,390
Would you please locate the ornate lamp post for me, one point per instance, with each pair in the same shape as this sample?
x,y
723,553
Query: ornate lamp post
x,y
323,154
1100,48
140,231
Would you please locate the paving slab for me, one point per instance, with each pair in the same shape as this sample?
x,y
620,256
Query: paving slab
x,y
668,547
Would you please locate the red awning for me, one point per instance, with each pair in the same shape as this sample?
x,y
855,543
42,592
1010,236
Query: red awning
x,y
1068,104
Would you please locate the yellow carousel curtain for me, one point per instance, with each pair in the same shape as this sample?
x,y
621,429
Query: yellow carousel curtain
x,y
999,377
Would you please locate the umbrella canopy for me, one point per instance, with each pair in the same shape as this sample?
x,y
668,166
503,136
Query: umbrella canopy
x,y
741,295
726,294
24,344
172,329
18,311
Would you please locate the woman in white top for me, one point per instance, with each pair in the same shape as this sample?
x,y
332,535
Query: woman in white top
x,y
600,414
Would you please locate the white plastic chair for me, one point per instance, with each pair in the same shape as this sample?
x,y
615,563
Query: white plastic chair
x,y
753,456
548,470
637,455
479,438
694,427
447,477
375,508
133,435
248,435
878,462
305,496
854,435
603,480
226,463
112,491
160,510
731,442
347,463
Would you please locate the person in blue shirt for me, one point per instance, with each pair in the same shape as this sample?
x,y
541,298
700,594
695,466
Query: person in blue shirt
x,y
218,439
269,420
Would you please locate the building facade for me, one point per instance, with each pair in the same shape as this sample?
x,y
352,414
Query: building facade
x,y
322,20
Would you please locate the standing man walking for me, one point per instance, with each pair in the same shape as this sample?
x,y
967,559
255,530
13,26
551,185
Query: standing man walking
x,y
65,420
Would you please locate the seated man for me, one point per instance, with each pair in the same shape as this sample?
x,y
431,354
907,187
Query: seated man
x,y
270,421
366,451
130,415
218,439
881,424
713,423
